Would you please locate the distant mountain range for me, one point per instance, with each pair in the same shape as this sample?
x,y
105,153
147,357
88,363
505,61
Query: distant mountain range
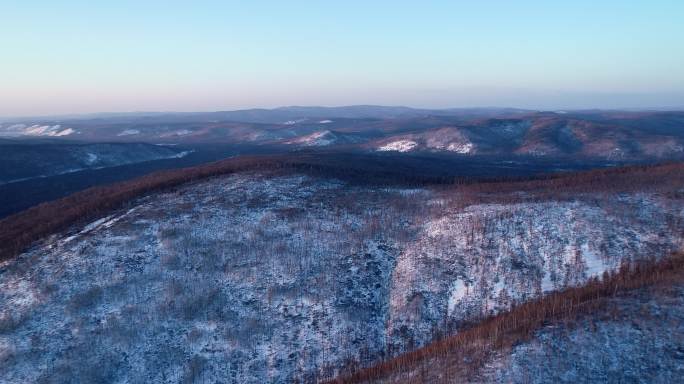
x,y
275,115
621,135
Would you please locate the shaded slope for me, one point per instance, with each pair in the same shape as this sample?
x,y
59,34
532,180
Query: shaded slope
x,y
27,160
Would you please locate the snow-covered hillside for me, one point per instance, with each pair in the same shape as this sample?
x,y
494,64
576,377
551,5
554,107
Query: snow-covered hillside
x,y
479,261
443,139
636,338
256,277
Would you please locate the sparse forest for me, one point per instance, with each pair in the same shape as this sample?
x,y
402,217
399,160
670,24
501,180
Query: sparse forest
x,y
300,269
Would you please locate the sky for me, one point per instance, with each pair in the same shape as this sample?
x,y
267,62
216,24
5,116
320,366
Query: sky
x,y
59,57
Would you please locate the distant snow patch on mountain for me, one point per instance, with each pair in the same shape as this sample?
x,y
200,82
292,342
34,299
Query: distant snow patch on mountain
x,y
316,139
36,130
65,132
182,154
460,147
40,130
325,122
129,132
293,122
181,132
449,139
399,146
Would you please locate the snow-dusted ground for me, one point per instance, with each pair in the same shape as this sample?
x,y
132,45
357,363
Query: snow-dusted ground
x,y
244,278
479,261
637,338
258,278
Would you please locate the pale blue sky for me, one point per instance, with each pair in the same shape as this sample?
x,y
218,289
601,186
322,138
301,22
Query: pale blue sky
x,y
87,56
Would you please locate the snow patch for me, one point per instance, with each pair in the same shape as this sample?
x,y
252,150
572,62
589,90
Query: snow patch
x,y
457,292
129,132
65,132
293,122
595,264
182,132
91,158
399,146
546,283
39,130
103,223
318,139
460,147
24,295
182,154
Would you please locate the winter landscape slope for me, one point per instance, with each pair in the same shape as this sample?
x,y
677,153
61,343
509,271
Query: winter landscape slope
x,y
635,337
27,160
286,275
623,327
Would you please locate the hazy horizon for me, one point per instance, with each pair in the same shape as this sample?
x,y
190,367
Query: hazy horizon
x,y
9,118
77,58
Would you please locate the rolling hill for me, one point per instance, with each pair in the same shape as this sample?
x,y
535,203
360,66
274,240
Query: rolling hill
x,y
298,268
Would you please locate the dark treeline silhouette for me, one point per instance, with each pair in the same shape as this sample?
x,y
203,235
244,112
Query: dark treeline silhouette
x,y
645,178
19,231
456,358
